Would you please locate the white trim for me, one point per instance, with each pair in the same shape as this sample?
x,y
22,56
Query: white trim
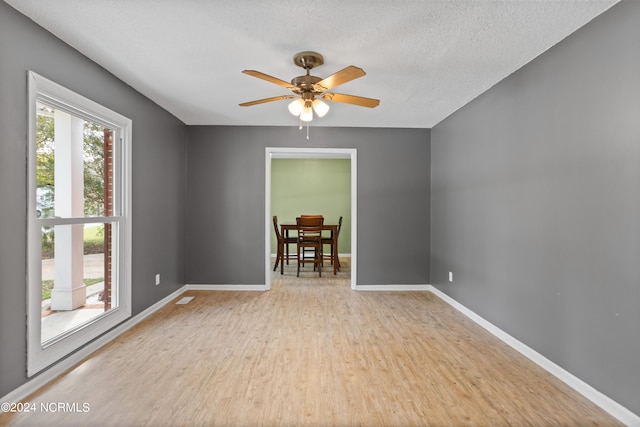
x,y
305,153
39,355
613,408
211,287
397,288
311,153
63,366
354,218
58,95
81,220
267,213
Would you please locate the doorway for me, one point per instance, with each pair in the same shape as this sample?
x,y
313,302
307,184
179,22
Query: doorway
x,y
309,153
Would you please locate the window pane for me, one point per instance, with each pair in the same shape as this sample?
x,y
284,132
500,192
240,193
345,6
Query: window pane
x,y
74,165
77,275
79,245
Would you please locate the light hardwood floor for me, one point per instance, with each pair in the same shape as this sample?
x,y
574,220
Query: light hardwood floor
x,y
311,352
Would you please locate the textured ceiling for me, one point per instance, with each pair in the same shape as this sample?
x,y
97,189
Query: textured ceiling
x,y
424,59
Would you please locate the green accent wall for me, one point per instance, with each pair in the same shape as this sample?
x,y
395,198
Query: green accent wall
x,y
309,187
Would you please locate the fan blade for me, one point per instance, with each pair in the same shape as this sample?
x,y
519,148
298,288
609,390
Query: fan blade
x,y
269,78
351,99
262,101
340,77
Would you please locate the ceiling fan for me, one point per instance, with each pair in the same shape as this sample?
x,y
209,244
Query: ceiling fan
x,y
309,89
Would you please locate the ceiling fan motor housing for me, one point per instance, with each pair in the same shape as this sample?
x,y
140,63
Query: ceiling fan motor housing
x,y
306,83
308,59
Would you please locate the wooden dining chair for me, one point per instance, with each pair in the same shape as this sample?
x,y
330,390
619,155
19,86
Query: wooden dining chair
x,y
307,251
329,240
282,252
310,236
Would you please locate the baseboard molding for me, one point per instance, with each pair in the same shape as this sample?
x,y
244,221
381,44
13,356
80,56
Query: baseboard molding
x,y
205,287
393,287
60,368
612,407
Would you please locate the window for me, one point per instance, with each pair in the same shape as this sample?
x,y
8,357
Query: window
x,y
79,226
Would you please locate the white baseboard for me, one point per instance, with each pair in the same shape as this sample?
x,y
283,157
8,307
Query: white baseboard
x,y
209,287
615,409
417,287
205,287
69,362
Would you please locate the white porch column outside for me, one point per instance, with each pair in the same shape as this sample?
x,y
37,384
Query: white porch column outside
x,y
69,291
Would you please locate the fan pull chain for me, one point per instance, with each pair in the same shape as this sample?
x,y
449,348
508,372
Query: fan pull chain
x,y
300,128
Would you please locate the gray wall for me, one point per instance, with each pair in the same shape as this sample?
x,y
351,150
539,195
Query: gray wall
x,y
226,191
159,177
536,204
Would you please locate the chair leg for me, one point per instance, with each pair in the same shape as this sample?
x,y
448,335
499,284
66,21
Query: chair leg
x,y
316,260
278,256
282,260
315,257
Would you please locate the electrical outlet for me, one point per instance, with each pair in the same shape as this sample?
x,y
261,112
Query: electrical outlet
x,y
157,279
451,276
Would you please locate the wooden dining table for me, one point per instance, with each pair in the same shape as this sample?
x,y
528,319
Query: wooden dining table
x,y
332,228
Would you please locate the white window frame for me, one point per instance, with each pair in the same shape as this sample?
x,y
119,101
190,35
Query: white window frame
x,y
39,355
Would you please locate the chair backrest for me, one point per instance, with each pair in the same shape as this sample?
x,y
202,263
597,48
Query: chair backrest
x,y
339,226
275,227
311,216
309,227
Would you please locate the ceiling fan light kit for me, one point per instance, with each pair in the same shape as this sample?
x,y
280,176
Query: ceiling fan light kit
x,y
309,89
321,108
296,106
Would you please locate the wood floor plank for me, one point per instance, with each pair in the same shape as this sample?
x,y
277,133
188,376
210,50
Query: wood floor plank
x,y
311,353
